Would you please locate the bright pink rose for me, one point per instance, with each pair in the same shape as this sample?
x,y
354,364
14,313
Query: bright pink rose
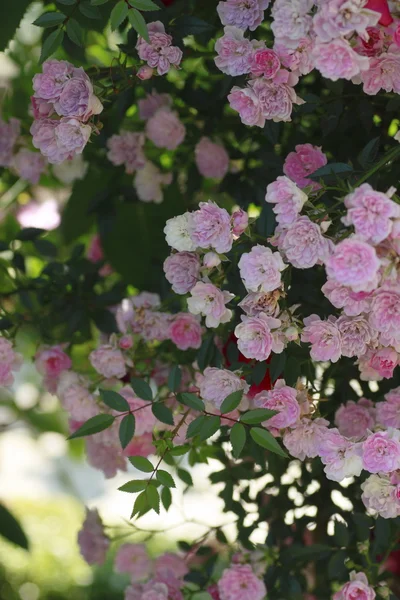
x,y
92,540
385,312
185,331
244,14
260,269
240,222
29,165
288,199
165,129
337,60
255,339
381,453
212,159
373,45
282,399
9,133
304,244
216,384
171,564
341,457
149,106
353,303
108,361
324,337
51,361
383,73
9,361
247,104
182,271
354,263
303,162
238,582
265,63
356,589
134,560
384,362
209,301
210,227
234,52
125,342
59,140
304,441
388,412
127,149
339,18
354,418
159,53
356,335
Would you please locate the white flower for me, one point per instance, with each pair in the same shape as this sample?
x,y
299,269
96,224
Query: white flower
x,y
177,233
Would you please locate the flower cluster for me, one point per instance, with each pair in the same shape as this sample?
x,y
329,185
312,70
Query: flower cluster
x,y
159,53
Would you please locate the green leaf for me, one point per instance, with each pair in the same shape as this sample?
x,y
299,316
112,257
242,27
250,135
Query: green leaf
x,y
142,389
162,413
332,170
165,478
185,476
75,32
188,25
66,2
136,485
114,400
138,23
174,378
141,505
5,323
231,402
308,553
336,566
45,248
238,439
118,14
341,534
29,234
11,14
144,4
191,400
210,426
264,438
11,530
180,450
127,430
258,415
91,12
98,2
195,426
166,498
206,352
51,43
93,425
141,463
49,19
369,153
258,373
277,365
153,498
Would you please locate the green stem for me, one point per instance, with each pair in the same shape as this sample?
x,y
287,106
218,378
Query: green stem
x,y
392,154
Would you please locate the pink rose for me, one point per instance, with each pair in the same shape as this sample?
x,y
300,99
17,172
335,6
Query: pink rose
x,y
353,303
216,384
145,420
341,457
304,244
356,335
247,104
324,337
165,129
383,73
182,271
260,269
212,159
141,445
149,105
385,312
354,263
354,419
49,84
282,399
384,362
304,441
210,227
238,582
337,60
29,165
159,53
108,458
51,361
92,540
127,149
244,15
288,200
149,182
234,52
255,339
134,560
209,301
291,20
388,412
356,589
145,73
381,452
185,331
9,361
336,18
240,222
303,162
77,98
59,140
172,564
73,392
108,361
265,63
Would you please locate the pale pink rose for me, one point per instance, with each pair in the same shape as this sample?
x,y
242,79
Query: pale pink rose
x,y
92,540
49,84
165,129
381,453
73,392
257,302
291,20
107,458
41,108
384,362
388,412
354,263
240,222
341,457
244,14
282,399
108,361
145,72
182,271
370,213
149,105
163,586
338,18
71,169
185,331
265,63
385,312
29,165
353,419
9,133
380,496
134,560
260,269
337,60
356,589
303,162
210,227
383,73
212,159
234,52
149,182
145,420
239,582
303,441
299,58
171,564
255,338
51,361
77,98
159,53
140,445
211,260
9,361
216,384
60,140
158,591
324,337
288,200
356,335
209,301
303,244
127,149
247,104
276,97
353,303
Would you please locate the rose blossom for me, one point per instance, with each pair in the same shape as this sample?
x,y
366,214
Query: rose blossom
x,y
73,392
383,73
9,361
354,263
239,582
299,58
216,384
149,105
324,337
185,331
240,222
126,149
260,269
255,339
341,457
388,412
265,63
182,270
29,165
355,333
165,586
49,84
356,589
9,133
337,60
257,302
108,361
172,564
381,452
92,540
209,301
77,98
384,362
304,161
177,233
211,260
108,458
291,20
71,169
159,53
288,200
234,52
210,227
149,181
133,559
353,303
60,140
303,441
212,159
242,13
304,244
145,72
354,418
51,361
380,497
385,312
282,399
338,18
165,129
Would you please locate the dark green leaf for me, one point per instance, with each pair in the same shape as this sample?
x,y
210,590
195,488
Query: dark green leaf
x,y
66,2
104,320
49,19
162,413
188,25
363,525
238,439
114,400
11,14
29,234
75,32
259,371
191,400
141,505
231,402
185,476
141,463
336,566
144,4
126,430
381,536
195,426
264,438
369,153
136,485
308,553
118,14
45,248
206,352
138,23
165,478
174,378
153,498
166,498
93,425
5,323
276,365
258,415
11,530
98,2
51,43
142,389
341,534
332,169
210,426
91,12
